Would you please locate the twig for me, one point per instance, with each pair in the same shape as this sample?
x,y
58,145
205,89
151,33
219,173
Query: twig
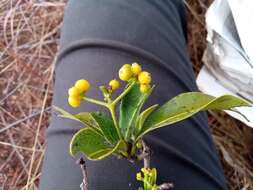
x,y
37,131
84,184
4,182
21,173
12,92
146,153
32,180
9,158
194,13
146,156
48,4
24,119
21,158
18,147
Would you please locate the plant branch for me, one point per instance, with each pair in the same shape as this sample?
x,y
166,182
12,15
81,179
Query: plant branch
x,y
98,102
84,184
111,107
123,94
145,155
106,94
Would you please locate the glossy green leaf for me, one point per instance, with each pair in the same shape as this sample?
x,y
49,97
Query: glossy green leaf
x,y
129,109
92,144
185,105
83,117
142,117
107,126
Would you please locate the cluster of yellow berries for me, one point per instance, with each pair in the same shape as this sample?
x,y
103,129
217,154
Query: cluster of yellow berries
x,y
128,71
148,177
77,91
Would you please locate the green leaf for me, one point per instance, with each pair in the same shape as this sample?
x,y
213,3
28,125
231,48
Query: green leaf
x,y
83,117
129,109
185,105
97,120
142,117
107,126
92,144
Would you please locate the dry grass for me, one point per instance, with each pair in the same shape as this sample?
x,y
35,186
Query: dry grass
x,y
29,33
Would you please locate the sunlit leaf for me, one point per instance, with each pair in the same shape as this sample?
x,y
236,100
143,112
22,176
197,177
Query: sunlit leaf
x,y
107,126
92,144
142,117
185,105
83,117
129,109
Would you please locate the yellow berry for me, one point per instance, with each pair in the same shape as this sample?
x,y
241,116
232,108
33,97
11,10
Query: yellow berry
x,y
144,88
136,68
82,85
74,101
73,91
125,72
138,176
114,84
144,77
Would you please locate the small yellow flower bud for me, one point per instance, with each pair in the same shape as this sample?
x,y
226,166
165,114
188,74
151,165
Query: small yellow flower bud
x,y
136,68
139,177
144,88
74,101
154,171
150,173
144,170
114,84
154,187
144,77
154,175
73,91
125,72
139,145
82,85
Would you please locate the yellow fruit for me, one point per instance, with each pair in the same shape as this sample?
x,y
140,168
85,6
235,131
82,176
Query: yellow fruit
x,y
125,72
114,84
144,77
144,88
136,68
138,176
73,91
82,85
74,102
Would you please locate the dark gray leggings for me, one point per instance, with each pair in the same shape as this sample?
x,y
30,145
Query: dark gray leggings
x,y
97,37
